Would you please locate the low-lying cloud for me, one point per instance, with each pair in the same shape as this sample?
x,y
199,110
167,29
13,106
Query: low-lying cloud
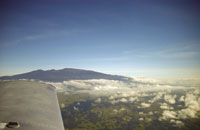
x,y
174,106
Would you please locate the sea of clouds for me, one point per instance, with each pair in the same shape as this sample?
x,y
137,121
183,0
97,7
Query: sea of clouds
x,y
187,100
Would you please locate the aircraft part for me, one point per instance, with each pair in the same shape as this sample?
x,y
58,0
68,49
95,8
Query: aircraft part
x,y
32,104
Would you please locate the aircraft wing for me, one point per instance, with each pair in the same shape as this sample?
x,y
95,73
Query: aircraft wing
x,y
29,105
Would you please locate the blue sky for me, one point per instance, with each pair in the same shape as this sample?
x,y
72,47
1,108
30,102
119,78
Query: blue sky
x,y
129,37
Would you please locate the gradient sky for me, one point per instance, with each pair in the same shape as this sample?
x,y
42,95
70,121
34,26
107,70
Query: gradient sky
x,y
129,37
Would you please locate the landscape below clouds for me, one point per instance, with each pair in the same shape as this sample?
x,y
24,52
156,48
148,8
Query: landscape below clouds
x,y
173,101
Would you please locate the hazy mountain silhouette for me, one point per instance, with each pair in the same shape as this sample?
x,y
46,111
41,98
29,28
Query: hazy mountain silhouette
x,y
63,75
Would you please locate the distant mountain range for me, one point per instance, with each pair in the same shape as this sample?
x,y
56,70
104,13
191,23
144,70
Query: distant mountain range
x,y
63,75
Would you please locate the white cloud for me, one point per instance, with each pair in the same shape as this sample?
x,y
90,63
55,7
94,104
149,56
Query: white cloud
x,y
141,119
141,88
62,105
132,99
165,106
168,115
141,113
75,108
150,113
181,99
114,101
124,100
177,122
145,105
157,97
118,110
98,100
130,88
192,104
191,108
170,99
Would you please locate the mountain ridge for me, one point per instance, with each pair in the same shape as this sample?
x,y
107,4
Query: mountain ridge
x,y
61,75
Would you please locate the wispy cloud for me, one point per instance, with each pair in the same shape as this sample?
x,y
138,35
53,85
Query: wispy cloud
x,y
44,35
183,51
178,51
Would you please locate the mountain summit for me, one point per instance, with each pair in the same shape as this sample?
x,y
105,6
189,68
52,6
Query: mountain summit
x,y
63,75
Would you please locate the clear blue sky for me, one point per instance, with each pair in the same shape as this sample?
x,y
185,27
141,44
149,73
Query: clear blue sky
x,y
128,37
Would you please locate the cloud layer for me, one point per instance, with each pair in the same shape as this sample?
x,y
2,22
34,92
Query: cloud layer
x,y
177,100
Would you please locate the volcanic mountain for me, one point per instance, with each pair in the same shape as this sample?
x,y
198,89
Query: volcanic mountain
x,y
63,75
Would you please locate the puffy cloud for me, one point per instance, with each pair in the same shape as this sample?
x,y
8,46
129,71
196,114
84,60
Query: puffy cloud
x,y
141,119
115,111
75,108
94,84
98,100
114,101
192,104
123,100
132,99
170,99
177,122
191,108
110,87
123,97
145,105
141,113
165,106
119,100
119,110
62,105
181,99
185,113
150,113
157,97
168,115
141,89
111,98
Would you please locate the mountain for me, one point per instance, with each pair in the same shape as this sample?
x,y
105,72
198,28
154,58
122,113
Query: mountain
x,y
63,75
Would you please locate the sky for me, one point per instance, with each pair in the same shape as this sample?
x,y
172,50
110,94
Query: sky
x,y
142,38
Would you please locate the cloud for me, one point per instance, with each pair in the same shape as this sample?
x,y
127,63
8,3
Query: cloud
x,y
181,99
141,119
168,115
132,99
43,35
166,106
98,100
119,100
124,100
75,108
127,88
141,113
183,51
146,93
177,122
150,113
192,106
119,110
170,99
62,105
157,97
190,110
145,105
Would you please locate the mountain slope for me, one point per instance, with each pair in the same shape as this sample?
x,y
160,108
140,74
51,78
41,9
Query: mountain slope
x,y
63,75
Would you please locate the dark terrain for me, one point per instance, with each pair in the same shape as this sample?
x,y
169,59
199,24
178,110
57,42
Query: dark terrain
x,y
63,75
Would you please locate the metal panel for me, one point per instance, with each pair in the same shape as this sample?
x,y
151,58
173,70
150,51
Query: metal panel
x,y
33,104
